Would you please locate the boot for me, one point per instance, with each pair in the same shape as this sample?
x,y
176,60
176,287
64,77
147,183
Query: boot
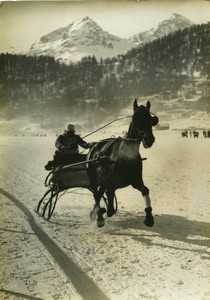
x,y
49,166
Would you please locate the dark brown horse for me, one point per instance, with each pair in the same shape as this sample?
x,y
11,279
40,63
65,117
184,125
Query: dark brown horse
x,y
123,163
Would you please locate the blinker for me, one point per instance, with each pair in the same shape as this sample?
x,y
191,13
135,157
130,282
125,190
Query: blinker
x,y
154,120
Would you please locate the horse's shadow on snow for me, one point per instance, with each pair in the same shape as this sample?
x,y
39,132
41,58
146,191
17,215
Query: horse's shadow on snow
x,y
166,227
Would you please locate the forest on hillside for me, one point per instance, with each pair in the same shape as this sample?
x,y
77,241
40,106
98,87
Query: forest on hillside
x,y
177,64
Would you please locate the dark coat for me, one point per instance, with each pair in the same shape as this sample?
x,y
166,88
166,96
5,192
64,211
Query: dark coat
x,y
71,143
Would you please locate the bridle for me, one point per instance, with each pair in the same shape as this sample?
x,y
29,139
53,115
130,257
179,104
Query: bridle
x,y
140,134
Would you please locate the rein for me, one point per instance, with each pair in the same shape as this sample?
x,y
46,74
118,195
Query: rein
x,y
107,124
117,119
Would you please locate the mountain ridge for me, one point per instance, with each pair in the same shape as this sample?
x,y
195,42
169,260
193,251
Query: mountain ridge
x,y
165,27
80,38
84,37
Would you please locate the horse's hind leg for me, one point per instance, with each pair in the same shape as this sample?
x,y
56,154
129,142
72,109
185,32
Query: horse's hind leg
x,y
98,193
101,210
110,195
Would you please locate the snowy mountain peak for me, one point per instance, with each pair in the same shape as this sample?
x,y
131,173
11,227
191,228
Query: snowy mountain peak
x,y
174,23
85,37
81,38
176,16
84,23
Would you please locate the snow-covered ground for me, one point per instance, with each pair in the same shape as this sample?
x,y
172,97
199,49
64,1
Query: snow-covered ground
x,y
70,258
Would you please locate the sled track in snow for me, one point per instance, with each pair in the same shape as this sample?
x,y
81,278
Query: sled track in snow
x,y
82,283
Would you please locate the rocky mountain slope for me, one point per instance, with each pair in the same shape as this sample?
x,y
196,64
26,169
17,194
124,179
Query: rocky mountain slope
x,y
174,23
85,37
81,38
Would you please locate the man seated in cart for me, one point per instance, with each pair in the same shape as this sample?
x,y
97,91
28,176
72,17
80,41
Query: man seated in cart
x,y
67,145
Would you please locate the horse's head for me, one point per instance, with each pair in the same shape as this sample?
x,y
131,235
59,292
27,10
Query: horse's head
x,y
142,122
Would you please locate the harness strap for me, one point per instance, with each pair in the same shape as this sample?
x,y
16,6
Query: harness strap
x,y
107,146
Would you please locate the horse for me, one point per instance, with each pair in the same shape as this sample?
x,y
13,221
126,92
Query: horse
x,y
184,133
123,164
195,134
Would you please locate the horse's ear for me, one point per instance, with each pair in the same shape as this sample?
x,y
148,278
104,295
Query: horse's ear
x,y
148,105
135,104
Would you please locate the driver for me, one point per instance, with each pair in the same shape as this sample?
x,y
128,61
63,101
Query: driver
x,y
67,145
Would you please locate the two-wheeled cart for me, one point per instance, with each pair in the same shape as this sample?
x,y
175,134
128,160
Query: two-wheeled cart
x,y
63,178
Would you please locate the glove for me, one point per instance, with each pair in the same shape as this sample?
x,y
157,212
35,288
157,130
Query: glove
x,y
63,148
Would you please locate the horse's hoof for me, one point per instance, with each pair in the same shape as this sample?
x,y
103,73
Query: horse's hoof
x,y
93,215
102,211
100,223
149,223
110,213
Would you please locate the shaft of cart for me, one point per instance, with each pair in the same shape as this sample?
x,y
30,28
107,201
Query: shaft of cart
x,y
98,159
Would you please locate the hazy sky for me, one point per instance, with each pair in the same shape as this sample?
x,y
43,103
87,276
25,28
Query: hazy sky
x,y
23,23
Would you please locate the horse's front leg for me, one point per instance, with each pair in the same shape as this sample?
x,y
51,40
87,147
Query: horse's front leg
x,y
149,220
138,184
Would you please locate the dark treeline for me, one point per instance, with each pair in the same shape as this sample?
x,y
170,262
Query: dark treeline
x,y
169,62
41,84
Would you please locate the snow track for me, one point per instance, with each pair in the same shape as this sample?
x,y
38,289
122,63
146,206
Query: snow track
x,y
59,260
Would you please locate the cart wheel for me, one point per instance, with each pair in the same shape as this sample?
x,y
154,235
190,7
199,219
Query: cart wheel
x,y
46,205
50,206
48,179
42,202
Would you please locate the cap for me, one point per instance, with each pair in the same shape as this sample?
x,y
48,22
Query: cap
x,y
70,127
